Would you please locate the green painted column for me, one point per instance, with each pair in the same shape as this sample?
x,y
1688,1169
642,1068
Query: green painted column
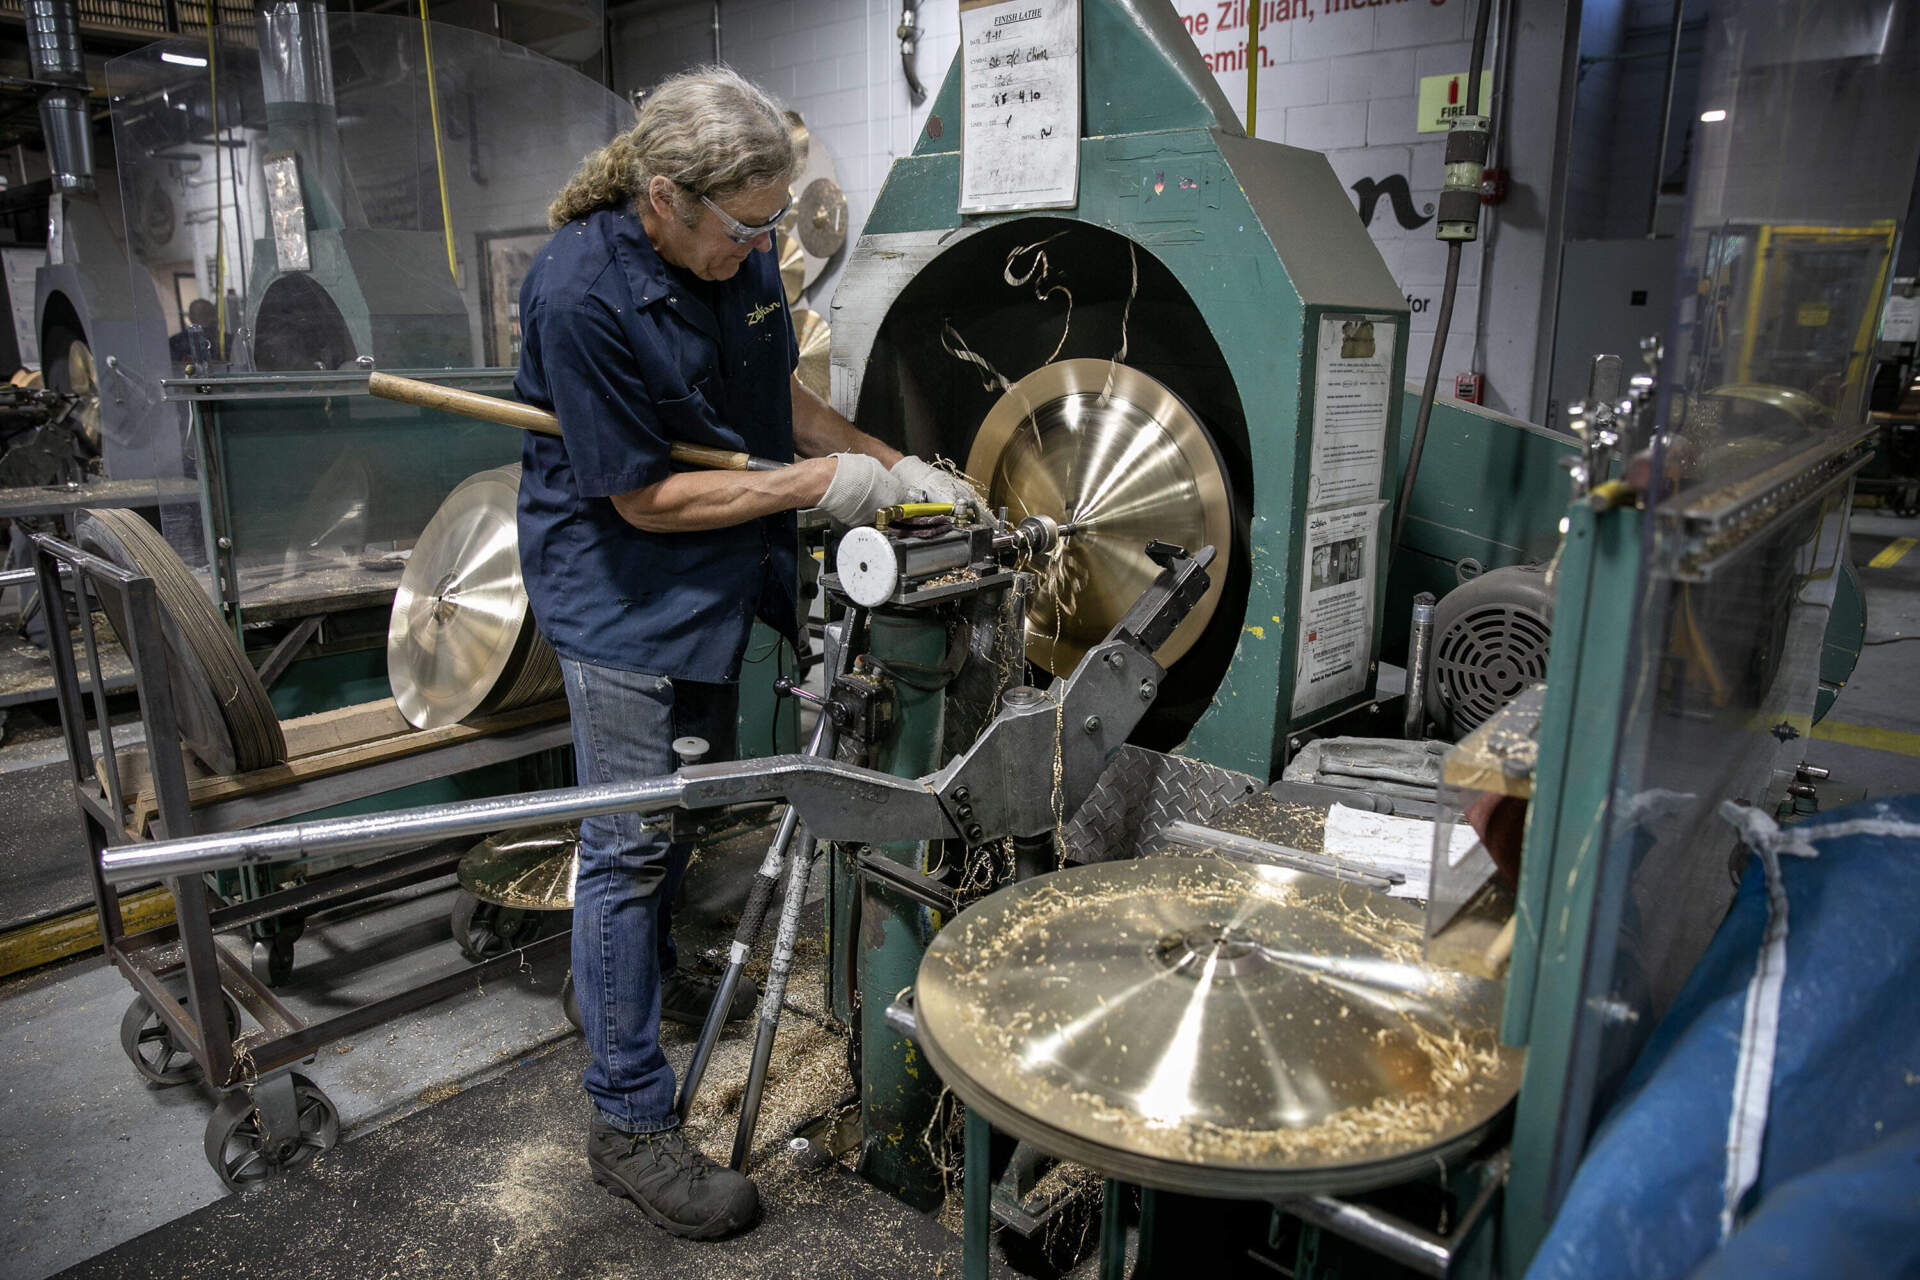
x,y
899,1091
1556,916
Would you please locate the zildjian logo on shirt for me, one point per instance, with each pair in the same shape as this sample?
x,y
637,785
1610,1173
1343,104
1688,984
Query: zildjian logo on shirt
x,y
761,312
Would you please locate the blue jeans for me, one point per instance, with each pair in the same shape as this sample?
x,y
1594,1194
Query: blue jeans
x,y
624,724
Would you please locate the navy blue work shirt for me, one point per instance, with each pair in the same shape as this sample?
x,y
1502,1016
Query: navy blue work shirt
x,y
634,355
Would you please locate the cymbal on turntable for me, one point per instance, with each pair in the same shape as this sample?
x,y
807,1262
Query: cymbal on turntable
x,y
1113,449
1211,1027
529,869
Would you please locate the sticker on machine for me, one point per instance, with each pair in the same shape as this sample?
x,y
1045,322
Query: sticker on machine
x,y
1336,606
1353,390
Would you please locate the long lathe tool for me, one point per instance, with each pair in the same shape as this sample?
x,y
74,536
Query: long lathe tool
x,y
513,413
1106,695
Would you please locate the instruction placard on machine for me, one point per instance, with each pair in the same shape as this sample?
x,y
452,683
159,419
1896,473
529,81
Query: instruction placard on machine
x,y
1353,386
1020,112
1336,606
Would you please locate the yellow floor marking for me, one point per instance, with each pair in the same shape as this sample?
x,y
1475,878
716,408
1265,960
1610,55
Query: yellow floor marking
x,y
1860,735
32,945
1890,554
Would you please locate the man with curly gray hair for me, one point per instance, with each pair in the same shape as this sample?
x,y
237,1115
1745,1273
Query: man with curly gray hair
x,y
656,315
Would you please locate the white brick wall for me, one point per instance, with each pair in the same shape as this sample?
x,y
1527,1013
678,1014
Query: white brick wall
x,y
834,61
1346,83
1333,127
1339,82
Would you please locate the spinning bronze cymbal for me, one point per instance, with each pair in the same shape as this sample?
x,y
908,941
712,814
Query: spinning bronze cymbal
x,y
83,381
1207,1026
1112,450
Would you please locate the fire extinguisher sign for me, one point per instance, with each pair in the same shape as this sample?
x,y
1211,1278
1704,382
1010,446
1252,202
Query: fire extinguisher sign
x,y
1443,98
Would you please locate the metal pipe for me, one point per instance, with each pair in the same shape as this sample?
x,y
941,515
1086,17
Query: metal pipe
x,y
1401,1242
908,33
784,943
1444,319
752,916
1420,640
380,832
1666,112
26,577
54,54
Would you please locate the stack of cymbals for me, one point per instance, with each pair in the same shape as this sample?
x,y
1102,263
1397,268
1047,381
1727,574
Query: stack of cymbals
x,y
224,715
461,638
532,674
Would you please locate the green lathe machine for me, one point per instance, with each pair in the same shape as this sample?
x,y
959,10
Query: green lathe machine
x,y
1091,756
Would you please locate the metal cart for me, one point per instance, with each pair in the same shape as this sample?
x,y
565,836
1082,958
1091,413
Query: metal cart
x,y
190,991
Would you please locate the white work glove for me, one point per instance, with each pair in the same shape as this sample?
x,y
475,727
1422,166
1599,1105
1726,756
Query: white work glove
x,y
924,482
860,486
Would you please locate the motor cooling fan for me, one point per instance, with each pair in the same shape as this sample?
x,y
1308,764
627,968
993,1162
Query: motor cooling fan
x,y
1489,642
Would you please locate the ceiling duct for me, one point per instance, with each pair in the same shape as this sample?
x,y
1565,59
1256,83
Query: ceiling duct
x,y
296,81
53,48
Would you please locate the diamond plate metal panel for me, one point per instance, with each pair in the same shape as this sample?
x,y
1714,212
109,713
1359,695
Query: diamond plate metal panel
x,y
1139,794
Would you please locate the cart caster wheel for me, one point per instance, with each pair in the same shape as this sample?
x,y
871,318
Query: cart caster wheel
x,y
483,930
570,1002
273,959
150,1046
238,1150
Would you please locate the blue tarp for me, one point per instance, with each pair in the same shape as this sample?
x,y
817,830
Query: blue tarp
x,y
1839,1186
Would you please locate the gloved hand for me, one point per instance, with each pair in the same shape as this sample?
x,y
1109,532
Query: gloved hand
x,y
924,482
860,486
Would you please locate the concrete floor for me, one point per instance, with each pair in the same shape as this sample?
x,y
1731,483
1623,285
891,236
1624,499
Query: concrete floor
x,y
90,1157
1871,738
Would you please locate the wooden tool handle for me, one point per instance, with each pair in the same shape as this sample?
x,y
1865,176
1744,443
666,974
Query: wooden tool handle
x,y
700,455
431,395
512,413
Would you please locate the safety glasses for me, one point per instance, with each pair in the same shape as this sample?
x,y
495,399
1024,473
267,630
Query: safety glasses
x,y
738,231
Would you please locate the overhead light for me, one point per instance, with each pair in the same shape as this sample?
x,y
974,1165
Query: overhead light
x,y
1714,116
189,60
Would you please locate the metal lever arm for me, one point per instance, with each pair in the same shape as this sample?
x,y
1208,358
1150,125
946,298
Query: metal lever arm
x,y
992,790
837,801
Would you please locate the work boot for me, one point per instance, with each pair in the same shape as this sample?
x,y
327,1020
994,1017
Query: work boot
x,y
686,997
678,1188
